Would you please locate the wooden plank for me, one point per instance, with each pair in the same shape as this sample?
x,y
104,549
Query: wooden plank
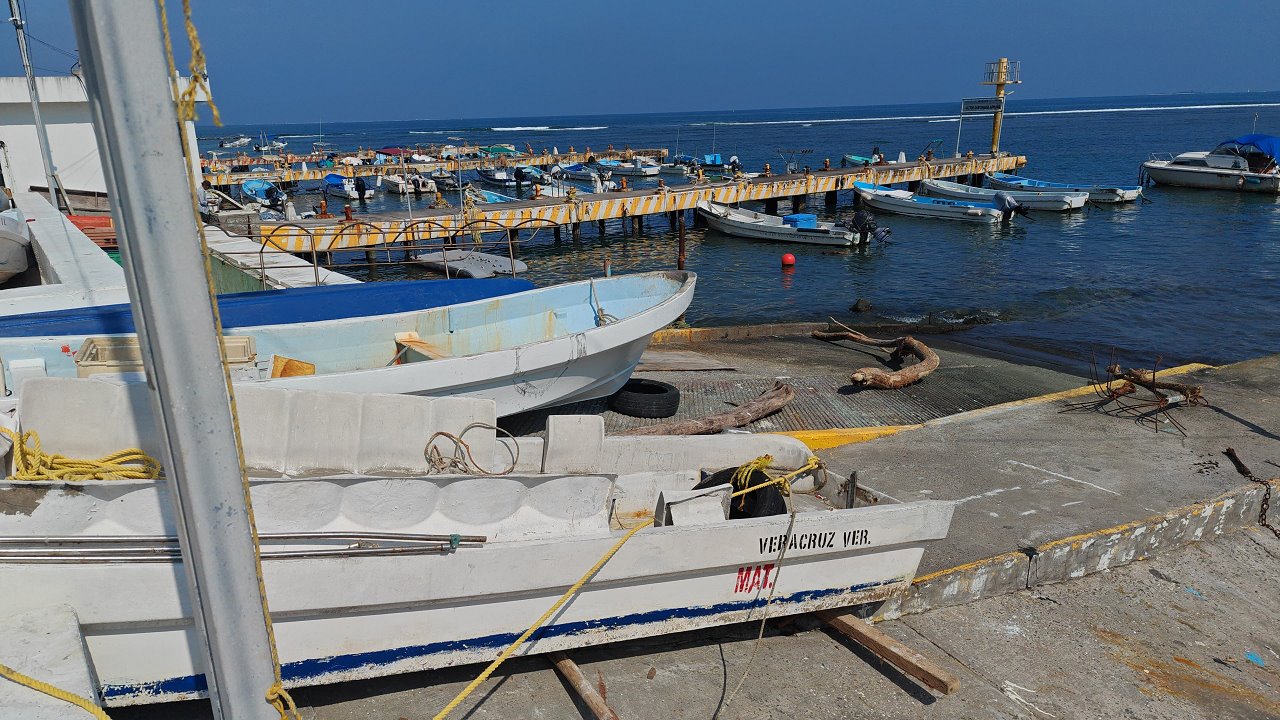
x,y
891,651
570,671
678,361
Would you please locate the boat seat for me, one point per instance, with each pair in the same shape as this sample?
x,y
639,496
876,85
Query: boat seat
x,y
285,432
500,508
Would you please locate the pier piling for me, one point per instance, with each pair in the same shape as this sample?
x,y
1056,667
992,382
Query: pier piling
x,y
600,227
771,206
680,234
797,203
555,232
831,199
576,231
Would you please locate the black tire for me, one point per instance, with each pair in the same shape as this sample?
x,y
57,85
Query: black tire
x,y
646,399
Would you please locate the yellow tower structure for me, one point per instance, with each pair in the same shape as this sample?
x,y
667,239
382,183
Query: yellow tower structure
x,y
1001,73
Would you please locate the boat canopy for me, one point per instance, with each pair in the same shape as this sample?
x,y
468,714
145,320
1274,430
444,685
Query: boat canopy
x,y
1266,144
335,179
713,159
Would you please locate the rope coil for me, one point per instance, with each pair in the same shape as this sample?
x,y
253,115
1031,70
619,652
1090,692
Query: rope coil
x,y
32,464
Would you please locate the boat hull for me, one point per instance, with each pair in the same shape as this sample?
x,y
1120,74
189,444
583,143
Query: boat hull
x,y
1096,193
774,233
901,206
350,617
524,351
1055,202
15,239
1162,172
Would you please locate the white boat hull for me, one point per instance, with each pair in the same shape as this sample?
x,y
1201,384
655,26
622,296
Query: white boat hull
x,y
905,206
470,263
525,351
1057,202
1206,178
759,226
351,617
1096,193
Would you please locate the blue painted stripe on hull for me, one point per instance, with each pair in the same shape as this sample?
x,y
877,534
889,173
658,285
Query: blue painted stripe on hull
x,y
277,307
302,670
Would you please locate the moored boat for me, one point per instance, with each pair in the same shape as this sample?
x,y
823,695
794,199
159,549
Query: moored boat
x,y
1058,201
235,141
904,202
350,188
638,167
738,222
585,345
578,171
1097,193
1245,164
263,192
402,185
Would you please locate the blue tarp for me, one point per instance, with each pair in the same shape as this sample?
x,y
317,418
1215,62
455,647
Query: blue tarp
x,y
712,159
275,307
1269,144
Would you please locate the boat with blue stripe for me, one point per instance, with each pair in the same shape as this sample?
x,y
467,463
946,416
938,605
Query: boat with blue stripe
x,y
905,202
1097,193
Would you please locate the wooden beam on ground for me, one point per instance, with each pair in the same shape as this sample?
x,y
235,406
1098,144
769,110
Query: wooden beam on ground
x,y
570,671
891,651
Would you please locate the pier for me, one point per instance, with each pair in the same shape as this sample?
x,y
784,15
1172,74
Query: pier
x,y
316,235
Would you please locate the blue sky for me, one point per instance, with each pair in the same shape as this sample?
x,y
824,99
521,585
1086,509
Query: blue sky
x,y
277,61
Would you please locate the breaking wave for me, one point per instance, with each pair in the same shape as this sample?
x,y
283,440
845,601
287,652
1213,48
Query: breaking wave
x,y
521,127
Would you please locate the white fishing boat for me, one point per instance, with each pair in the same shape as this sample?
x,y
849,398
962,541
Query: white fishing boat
x,y
375,565
578,171
1245,164
470,263
400,185
1057,201
674,169
15,244
270,145
501,177
639,166
738,222
586,341
1097,193
235,141
338,186
904,202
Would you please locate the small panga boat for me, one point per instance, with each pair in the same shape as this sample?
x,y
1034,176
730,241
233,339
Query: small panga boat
x,y
905,202
1058,201
1097,193
802,228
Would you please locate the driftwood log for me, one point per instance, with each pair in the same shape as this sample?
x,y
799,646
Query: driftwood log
x,y
768,403
902,347
1147,379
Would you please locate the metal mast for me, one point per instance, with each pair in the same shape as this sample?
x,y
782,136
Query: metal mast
x,y
50,172
150,185
1001,73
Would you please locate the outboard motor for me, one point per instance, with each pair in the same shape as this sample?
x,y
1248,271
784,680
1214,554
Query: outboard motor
x,y
864,223
1007,206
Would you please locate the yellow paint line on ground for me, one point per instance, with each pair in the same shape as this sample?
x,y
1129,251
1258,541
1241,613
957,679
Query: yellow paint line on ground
x,y
826,439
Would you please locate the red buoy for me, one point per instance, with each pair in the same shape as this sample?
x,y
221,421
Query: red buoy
x,y
788,260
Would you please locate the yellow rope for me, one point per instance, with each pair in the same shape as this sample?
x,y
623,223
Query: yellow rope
x,y
453,704
741,476
32,464
54,692
276,695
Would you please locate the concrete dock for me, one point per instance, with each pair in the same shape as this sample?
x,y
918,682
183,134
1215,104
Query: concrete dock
x,y
1096,567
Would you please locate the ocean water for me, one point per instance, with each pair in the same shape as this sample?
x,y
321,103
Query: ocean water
x,y
1185,276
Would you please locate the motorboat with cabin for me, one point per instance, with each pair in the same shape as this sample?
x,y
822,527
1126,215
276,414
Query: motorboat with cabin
x,y
1245,164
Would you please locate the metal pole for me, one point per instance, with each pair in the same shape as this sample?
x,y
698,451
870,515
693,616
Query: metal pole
x,y
959,125
1002,76
150,185
46,155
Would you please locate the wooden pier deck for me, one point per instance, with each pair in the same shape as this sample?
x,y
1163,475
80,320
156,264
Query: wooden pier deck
x,y
380,229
